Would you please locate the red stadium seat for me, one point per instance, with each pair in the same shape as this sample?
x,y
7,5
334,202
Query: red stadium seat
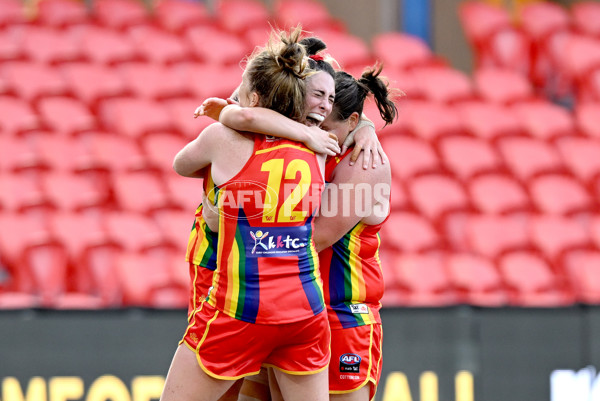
x,y
66,116
559,194
73,192
585,16
545,120
41,260
399,198
541,19
239,15
467,157
48,152
22,193
177,15
556,236
348,50
398,50
185,193
210,80
509,48
491,236
594,230
444,85
153,81
133,232
135,117
10,48
311,14
528,157
32,81
91,253
498,194
502,86
579,57
48,45
545,23
104,46
151,282
409,232
18,116
120,14
481,21
403,81
160,150
586,118
436,196
580,155
141,192
180,111
62,13
12,12
410,157
531,282
158,46
488,121
430,120
27,154
104,151
425,280
16,300
92,83
476,279
582,272
589,89
176,226
216,46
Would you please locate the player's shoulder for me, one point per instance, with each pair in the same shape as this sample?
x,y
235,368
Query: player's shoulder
x,y
344,172
222,134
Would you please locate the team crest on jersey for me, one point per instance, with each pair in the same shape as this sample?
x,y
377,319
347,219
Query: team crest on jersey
x,y
350,363
361,309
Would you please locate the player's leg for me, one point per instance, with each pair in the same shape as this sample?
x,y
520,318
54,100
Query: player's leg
x,y
274,386
256,388
186,381
233,393
362,394
312,387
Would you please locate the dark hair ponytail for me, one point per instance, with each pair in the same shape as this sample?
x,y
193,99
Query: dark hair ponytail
x,y
350,94
313,46
379,89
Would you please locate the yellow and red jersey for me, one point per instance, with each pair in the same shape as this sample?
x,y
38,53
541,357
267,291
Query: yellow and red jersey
x,y
267,265
202,241
352,273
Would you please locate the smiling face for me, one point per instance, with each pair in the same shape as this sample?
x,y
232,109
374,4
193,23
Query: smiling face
x,y
320,94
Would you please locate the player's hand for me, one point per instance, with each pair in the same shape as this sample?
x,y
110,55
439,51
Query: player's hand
x,y
321,141
211,107
367,144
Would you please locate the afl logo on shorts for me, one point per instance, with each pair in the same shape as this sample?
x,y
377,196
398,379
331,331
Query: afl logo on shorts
x,y
350,363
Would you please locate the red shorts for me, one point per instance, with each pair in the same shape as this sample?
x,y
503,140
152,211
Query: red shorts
x,y
228,348
201,281
355,358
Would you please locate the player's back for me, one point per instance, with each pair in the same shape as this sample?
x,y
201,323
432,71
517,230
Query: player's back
x,y
267,264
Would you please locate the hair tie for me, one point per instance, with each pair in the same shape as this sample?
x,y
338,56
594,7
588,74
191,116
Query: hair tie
x,y
316,57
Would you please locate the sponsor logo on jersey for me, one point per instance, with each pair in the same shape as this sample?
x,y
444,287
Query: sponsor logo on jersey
x,y
280,244
359,309
350,363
